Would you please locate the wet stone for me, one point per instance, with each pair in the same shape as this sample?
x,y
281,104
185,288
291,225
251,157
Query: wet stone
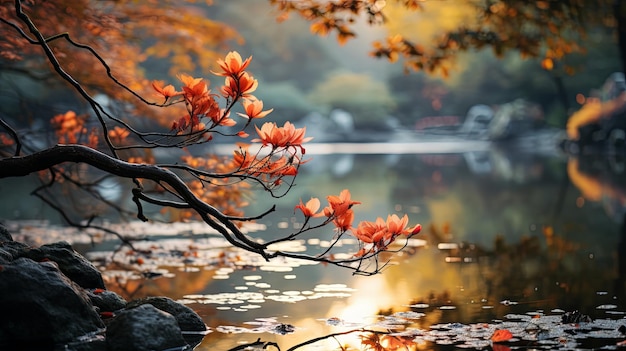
x,y
41,307
4,234
188,319
106,301
14,248
71,263
144,328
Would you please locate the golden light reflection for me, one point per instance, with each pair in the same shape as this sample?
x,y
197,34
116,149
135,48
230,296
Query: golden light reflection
x,y
592,188
593,111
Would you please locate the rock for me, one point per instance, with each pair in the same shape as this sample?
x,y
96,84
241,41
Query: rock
x,y
4,234
71,263
5,257
106,301
50,298
41,307
143,328
188,319
14,248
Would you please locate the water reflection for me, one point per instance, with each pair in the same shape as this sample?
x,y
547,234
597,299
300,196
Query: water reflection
x,y
504,233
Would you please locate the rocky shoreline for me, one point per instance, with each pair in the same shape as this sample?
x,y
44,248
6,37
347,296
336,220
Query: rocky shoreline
x,y
52,298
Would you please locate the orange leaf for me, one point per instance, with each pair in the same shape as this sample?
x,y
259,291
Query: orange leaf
x,y
501,335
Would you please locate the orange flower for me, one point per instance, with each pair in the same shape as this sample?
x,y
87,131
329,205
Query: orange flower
x,y
397,226
254,109
118,133
287,135
69,126
338,205
380,234
242,158
232,65
193,87
310,208
247,84
344,221
241,86
167,91
372,232
188,80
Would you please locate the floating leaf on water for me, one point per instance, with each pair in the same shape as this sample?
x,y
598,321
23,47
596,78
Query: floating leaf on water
x,y
409,315
313,241
286,298
252,277
279,269
501,335
333,287
521,317
229,329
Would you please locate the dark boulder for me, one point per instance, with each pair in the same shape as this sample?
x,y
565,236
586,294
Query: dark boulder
x,y
188,319
71,263
41,307
106,301
144,328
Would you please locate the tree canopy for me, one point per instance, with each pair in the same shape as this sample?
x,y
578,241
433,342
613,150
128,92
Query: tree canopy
x,y
549,30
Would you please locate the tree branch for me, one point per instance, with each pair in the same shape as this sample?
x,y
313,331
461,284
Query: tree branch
x,y
23,165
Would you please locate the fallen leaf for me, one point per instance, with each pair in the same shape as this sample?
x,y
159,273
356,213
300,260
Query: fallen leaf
x,y
501,335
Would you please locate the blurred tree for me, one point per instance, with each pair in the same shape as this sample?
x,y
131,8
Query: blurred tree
x,y
286,52
125,34
546,29
367,100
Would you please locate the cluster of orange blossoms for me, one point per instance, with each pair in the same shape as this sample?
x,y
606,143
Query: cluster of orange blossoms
x,y
374,236
70,129
239,85
270,168
201,103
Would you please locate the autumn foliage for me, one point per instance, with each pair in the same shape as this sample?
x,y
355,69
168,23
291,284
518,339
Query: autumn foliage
x,y
204,185
548,30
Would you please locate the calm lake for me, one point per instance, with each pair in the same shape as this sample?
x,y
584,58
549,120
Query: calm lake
x,y
507,237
